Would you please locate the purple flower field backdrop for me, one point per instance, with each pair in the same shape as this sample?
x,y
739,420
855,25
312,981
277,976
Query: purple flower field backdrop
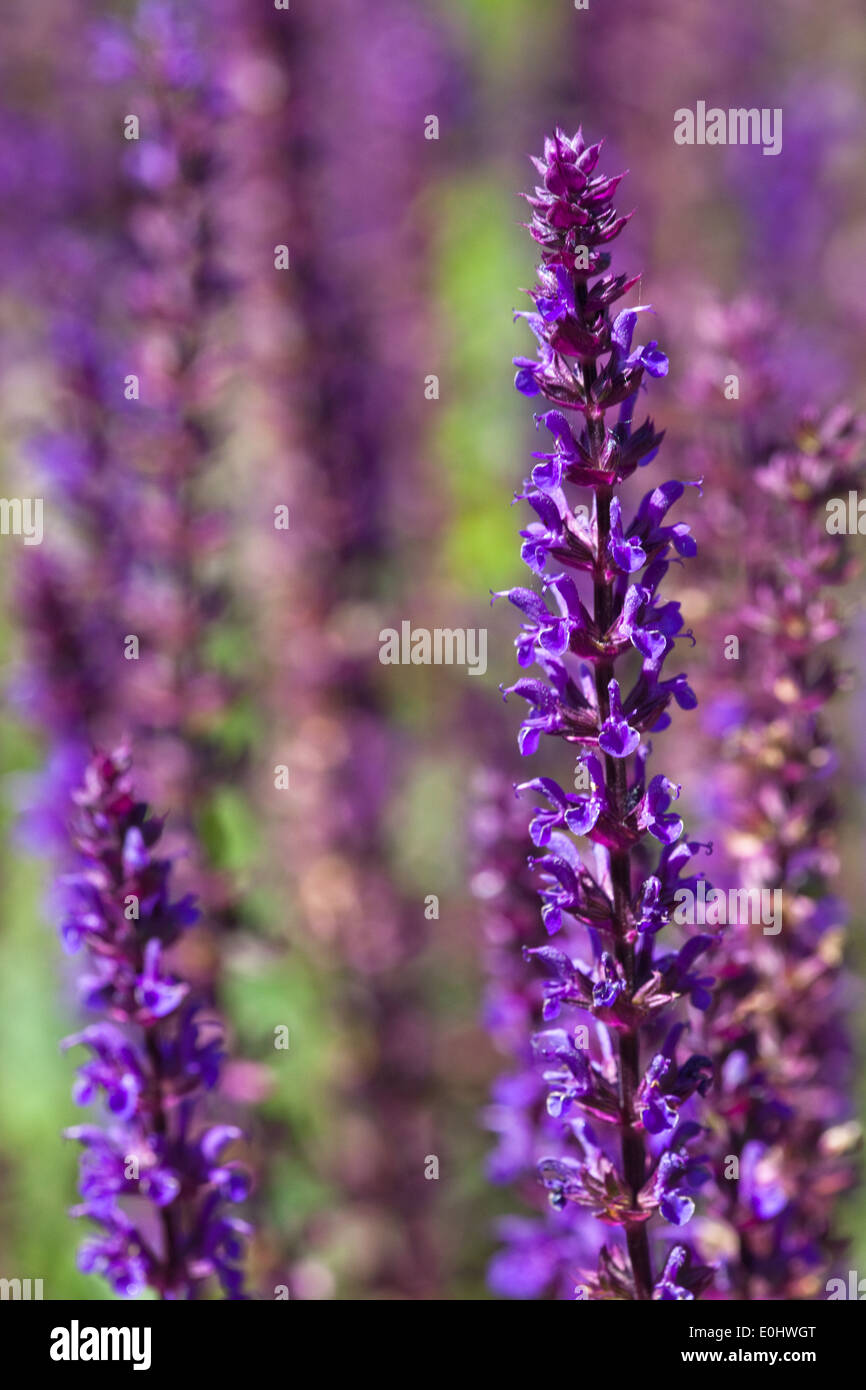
x,y
310,1026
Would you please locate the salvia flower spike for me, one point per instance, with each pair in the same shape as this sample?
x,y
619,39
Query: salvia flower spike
x,y
622,1086
778,1029
154,1177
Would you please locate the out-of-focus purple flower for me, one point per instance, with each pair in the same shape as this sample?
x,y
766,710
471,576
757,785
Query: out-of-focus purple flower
x,y
776,1029
335,347
155,1177
133,538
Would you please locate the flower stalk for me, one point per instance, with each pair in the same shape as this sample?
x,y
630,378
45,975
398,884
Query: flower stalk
x,y
784,1134
154,1178
601,655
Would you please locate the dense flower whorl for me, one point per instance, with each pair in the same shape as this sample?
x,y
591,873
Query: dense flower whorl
x,y
601,651
155,1178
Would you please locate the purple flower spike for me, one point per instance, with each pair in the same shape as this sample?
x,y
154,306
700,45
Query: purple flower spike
x,y
601,690
785,1132
150,1064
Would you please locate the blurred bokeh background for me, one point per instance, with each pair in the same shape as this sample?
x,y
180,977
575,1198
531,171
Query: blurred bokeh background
x,y
367,388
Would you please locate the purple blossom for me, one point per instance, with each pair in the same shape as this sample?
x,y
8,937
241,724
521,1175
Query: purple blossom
x,y
601,652
680,1278
155,1178
542,1255
776,1027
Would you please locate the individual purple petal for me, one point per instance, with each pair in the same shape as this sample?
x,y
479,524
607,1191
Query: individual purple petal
x,y
616,737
